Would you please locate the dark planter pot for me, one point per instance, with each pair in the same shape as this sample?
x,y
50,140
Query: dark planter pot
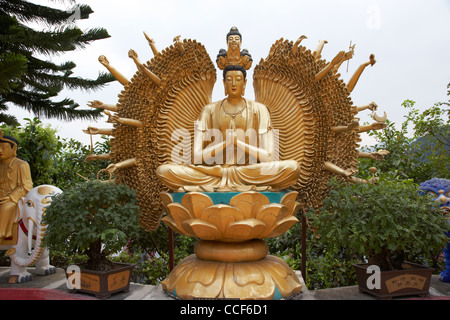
x,y
413,280
103,284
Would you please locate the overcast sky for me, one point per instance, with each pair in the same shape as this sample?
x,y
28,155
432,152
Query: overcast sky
x,y
410,40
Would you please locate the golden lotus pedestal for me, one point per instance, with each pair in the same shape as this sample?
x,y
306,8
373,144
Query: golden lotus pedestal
x,y
231,261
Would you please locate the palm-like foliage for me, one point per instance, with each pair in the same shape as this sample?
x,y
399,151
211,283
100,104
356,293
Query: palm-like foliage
x,y
26,79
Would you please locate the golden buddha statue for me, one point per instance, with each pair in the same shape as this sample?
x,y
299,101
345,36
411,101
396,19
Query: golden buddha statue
x,y
168,135
15,182
241,155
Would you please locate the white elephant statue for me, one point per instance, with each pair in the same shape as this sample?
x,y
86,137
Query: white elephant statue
x,y
30,232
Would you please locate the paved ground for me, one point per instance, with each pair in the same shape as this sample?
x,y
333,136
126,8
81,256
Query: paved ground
x,y
56,283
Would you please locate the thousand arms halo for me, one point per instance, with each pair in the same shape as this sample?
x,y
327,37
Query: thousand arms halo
x,y
309,105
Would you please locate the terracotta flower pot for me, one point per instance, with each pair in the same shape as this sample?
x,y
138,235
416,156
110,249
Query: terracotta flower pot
x,y
414,279
103,284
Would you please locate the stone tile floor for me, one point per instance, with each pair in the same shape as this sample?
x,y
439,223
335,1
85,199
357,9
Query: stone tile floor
x,y
55,286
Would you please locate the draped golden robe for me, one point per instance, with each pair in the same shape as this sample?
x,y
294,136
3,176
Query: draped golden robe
x,y
233,169
15,183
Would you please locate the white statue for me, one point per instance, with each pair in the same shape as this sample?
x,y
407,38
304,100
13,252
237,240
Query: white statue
x,y
28,235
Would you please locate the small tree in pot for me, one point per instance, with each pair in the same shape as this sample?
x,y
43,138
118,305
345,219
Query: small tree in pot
x,y
93,218
385,222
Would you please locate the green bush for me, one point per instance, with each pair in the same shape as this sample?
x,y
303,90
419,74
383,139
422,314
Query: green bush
x,y
149,251
326,267
386,222
55,161
418,146
92,218
37,145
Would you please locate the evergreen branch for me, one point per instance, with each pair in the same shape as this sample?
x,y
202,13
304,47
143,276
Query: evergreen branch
x,y
12,67
88,84
24,39
8,119
93,34
35,89
44,42
38,65
45,82
65,109
30,12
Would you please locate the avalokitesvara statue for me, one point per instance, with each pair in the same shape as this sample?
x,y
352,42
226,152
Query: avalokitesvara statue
x,y
234,171
242,132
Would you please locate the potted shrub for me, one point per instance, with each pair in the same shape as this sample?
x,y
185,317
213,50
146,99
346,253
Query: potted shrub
x,y
386,222
96,219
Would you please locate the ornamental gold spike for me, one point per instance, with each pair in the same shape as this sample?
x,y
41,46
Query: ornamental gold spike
x,y
133,55
319,48
297,43
119,77
100,105
151,42
354,79
178,44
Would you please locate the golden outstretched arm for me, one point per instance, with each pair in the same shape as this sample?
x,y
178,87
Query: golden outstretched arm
x,y
121,78
354,79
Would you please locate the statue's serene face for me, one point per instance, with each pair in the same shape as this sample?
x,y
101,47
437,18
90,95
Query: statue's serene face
x,y
6,151
234,41
234,84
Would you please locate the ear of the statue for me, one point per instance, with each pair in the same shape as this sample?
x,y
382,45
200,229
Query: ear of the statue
x,y
14,148
225,88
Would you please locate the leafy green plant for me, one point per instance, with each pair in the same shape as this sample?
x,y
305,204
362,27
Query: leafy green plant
x,y
385,222
38,145
326,266
71,166
93,218
60,162
149,251
418,146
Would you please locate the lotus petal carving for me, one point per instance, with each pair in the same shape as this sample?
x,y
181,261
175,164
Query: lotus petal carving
x,y
268,278
248,215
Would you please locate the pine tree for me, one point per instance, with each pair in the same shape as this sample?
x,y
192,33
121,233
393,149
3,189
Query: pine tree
x,y
28,81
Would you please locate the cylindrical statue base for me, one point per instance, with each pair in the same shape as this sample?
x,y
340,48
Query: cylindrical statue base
x,y
224,270
231,261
